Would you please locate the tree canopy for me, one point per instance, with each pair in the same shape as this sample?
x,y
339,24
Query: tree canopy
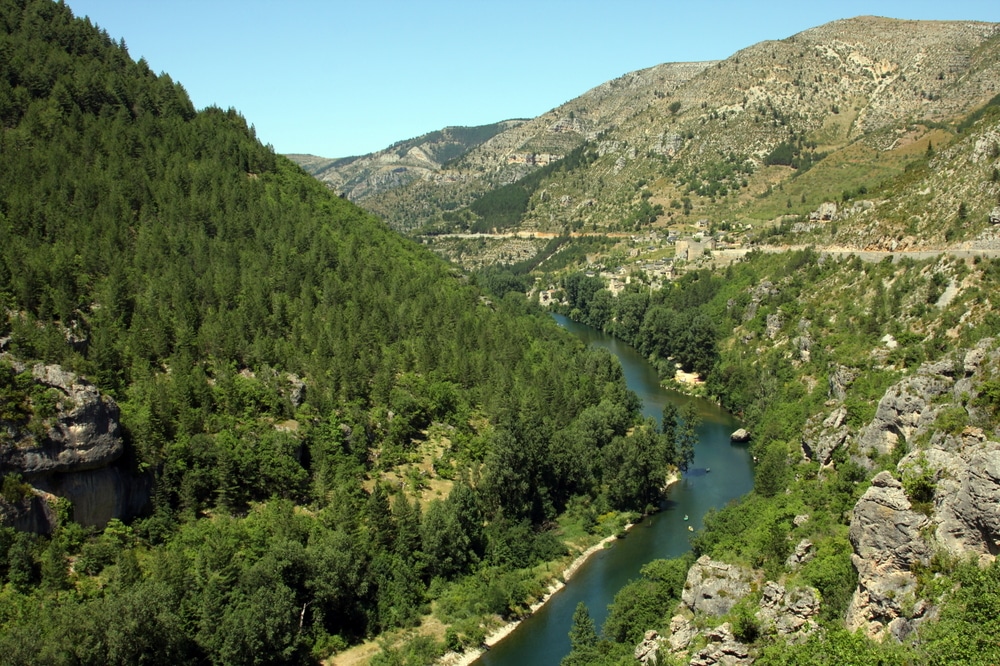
x,y
275,352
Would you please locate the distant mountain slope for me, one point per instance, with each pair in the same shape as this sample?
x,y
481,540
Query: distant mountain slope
x,y
680,142
364,176
413,187
861,85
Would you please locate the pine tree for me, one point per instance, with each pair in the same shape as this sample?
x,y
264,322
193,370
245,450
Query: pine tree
x,y
583,634
687,435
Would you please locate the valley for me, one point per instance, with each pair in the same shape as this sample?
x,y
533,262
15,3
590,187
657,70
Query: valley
x,y
268,409
801,226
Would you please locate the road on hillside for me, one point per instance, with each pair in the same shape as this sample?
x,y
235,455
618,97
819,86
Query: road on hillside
x,y
874,256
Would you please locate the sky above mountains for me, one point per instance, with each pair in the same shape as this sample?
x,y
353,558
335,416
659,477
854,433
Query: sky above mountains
x,y
337,78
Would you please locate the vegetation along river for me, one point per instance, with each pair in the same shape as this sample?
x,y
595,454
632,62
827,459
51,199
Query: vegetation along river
x,y
720,473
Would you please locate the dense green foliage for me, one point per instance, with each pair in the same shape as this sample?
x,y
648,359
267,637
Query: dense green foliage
x,y
797,155
678,322
203,281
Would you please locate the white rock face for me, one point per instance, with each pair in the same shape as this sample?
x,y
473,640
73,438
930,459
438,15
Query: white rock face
x,y
714,587
84,434
76,459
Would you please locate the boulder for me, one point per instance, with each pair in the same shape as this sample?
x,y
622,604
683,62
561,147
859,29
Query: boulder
x,y
722,648
741,435
714,587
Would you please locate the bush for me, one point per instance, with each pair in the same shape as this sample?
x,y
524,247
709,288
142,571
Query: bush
x,y
771,474
14,489
832,573
744,622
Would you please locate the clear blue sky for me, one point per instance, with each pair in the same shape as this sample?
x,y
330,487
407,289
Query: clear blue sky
x,y
338,78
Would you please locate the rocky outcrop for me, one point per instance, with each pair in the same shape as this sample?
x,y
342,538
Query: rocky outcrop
x,y
969,518
788,614
758,295
80,457
965,474
821,435
886,535
98,495
297,394
803,552
840,379
824,433
906,407
714,587
722,649
35,512
682,632
954,485
648,650
83,435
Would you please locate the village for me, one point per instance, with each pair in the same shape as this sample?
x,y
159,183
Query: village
x,y
656,257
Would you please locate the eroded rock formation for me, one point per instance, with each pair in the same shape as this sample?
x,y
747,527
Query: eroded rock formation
x,y
788,613
906,408
714,587
79,457
888,545
84,434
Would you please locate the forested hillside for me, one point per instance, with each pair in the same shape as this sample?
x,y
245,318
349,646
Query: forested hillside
x,y
277,356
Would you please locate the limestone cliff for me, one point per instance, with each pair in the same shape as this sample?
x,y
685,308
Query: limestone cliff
x,y
78,453
84,434
944,498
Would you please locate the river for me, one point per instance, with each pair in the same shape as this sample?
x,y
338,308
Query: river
x,y
721,472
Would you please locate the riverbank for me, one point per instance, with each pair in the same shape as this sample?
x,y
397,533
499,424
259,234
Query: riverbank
x,y
470,656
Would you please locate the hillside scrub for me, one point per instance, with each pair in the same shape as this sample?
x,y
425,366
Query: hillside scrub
x,y
801,337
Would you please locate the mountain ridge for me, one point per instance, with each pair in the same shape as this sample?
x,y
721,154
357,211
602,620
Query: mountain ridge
x,y
700,137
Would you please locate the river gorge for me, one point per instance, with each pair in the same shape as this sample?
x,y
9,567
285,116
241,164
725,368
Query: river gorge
x,y
721,472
